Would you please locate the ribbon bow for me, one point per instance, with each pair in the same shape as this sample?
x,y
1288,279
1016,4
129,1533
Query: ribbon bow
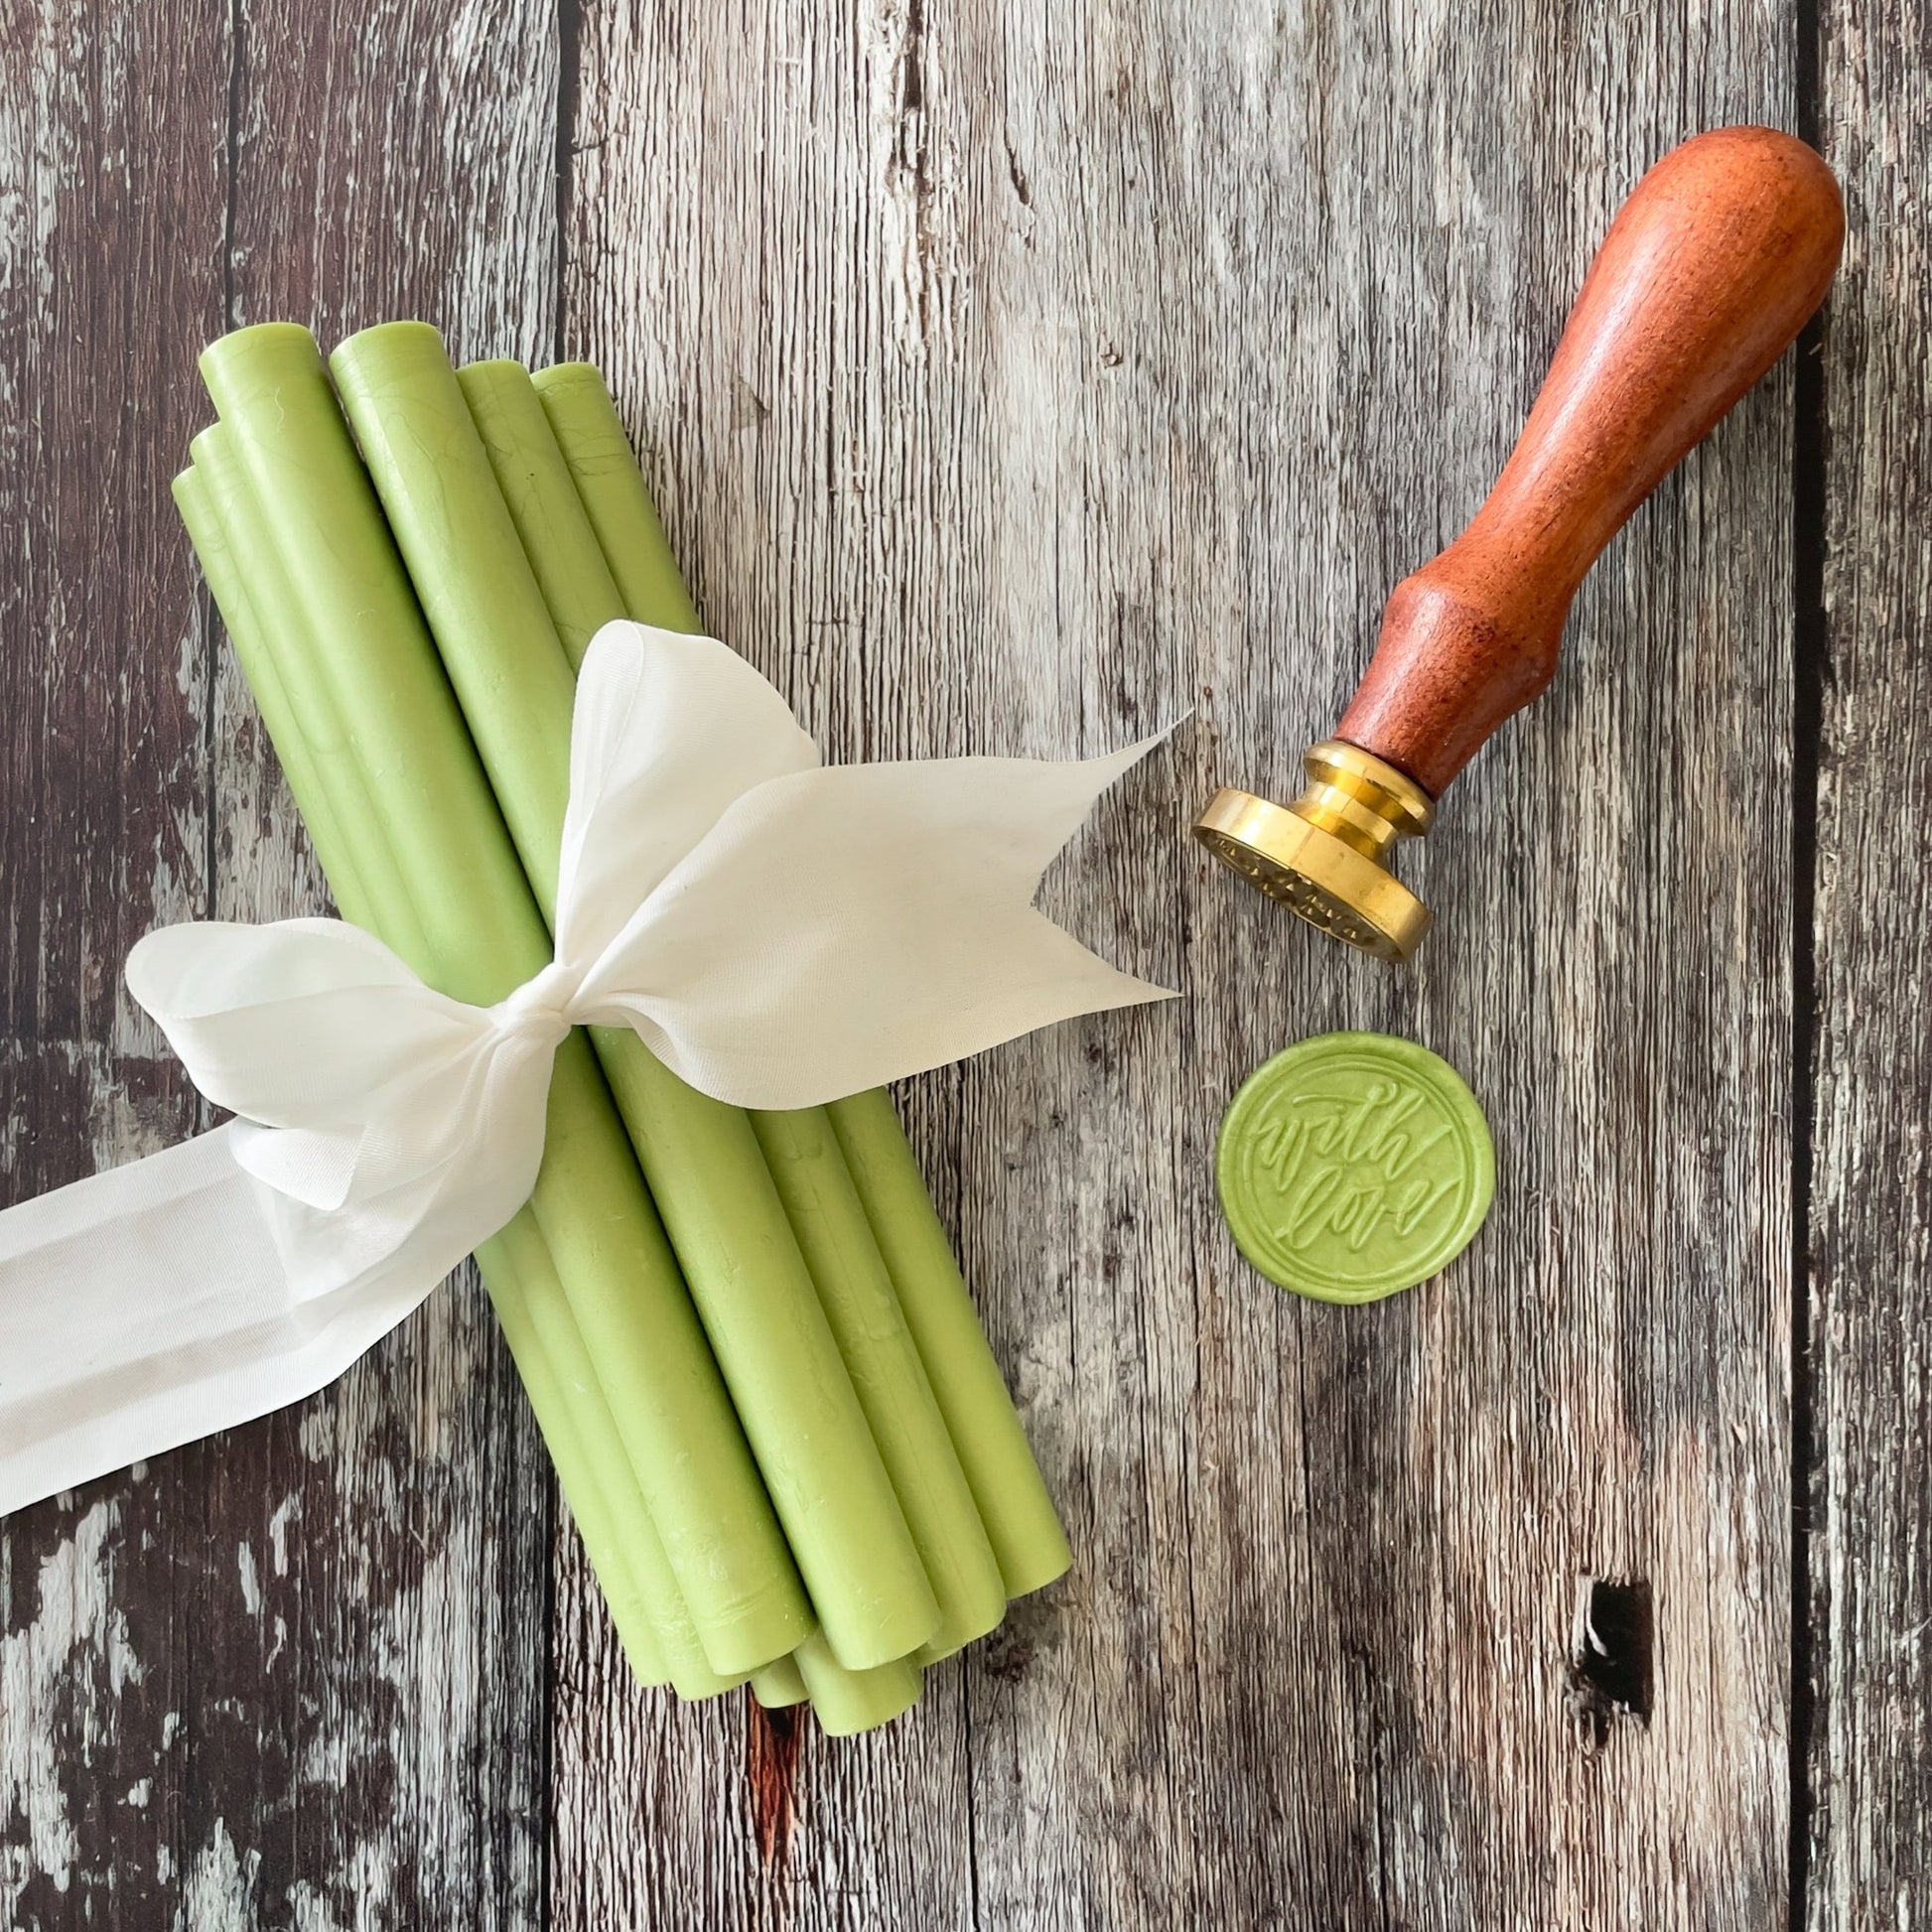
x,y
778,932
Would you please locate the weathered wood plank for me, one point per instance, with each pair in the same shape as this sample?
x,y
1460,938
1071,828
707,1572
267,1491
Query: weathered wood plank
x,y
717,1817
396,160
294,1676
1869,1544
104,296
1015,380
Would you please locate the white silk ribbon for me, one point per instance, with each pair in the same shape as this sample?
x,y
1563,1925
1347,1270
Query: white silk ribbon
x,y
778,931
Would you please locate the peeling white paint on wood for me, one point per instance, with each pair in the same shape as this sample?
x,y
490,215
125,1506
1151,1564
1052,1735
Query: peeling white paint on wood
x,y
66,1637
219,1895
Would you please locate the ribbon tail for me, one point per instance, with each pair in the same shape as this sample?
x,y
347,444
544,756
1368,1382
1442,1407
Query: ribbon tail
x,y
150,1306
843,927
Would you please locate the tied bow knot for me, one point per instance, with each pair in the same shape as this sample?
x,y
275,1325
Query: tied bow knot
x,y
540,1011
778,932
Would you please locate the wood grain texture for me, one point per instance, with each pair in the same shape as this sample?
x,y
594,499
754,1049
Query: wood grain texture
x,y
1014,379
1869,1535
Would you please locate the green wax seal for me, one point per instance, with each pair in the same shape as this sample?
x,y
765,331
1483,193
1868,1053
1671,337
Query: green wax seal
x,y
1353,1164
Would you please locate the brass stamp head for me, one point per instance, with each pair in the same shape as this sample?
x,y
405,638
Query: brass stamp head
x,y
1325,855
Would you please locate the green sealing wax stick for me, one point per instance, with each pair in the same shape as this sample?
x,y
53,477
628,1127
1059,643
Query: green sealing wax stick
x,y
801,1149
1014,1507
591,434
1019,1514
517,1272
516,1256
631,1531
725,1220
778,1686
860,1302
559,545
678,1428
283,666
847,1701
195,500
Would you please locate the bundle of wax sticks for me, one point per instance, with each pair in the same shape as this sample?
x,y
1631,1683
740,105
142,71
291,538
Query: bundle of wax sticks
x,y
769,1399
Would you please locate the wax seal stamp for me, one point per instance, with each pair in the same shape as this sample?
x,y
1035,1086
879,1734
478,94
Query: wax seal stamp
x,y
1325,855
1353,1166
1712,266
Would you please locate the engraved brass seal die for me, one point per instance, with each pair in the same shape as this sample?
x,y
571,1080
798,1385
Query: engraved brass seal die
x,y
1326,856
1353,1166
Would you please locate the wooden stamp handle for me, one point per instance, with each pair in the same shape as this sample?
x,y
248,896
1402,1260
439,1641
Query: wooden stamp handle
x,y
1712,266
